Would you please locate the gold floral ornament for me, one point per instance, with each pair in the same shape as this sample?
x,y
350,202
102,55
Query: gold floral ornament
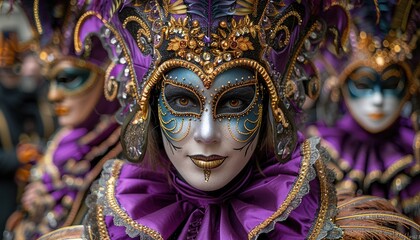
x,y
230,42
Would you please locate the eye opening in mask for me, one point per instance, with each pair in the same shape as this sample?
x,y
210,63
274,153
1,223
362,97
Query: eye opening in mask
x,y
74,76
236,100
181,99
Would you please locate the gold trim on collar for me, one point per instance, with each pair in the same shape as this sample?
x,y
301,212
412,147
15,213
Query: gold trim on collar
x,y
303,172
100,218
114,205
325,196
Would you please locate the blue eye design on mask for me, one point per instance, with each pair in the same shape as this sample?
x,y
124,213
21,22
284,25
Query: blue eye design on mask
x,y
72,79
234,100
365,81
74,76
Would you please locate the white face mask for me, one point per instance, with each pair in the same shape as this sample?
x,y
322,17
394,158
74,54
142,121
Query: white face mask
x,y
210,134
375,99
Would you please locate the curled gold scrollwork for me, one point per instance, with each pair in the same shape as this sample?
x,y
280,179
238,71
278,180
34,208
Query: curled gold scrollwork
x,y
142,31
111,85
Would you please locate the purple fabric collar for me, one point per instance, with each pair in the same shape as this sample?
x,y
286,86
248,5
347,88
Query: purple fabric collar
x,y
139,201
380,164
369,152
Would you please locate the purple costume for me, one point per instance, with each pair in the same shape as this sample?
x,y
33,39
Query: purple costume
x,y
75,155
383,163
298,202
380,164
284,191
291,200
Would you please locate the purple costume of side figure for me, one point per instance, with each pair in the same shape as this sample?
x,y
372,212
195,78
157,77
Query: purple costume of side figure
x,y
375,145
86,105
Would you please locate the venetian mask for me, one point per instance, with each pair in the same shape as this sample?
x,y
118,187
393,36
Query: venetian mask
x,y
375,98
75,90
210,134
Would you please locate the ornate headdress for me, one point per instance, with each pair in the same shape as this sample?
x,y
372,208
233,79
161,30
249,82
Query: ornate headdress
x,y
55,22
275,39
390,36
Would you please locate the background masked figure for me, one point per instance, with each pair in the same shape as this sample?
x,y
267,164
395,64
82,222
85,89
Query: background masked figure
x,y
25,117
369,134
211,89
88,135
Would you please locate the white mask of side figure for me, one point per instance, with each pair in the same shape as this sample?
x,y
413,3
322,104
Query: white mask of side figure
x,y
210,134
74,90
375,99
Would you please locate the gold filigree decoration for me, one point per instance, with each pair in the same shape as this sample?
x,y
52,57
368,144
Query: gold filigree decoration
x,y
176,129
114,205
143,31
229,43
111,85
289,72
321,171
280,27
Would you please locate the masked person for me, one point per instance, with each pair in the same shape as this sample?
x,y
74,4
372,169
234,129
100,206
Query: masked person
x,y
369,134
88,133
211,90
24,117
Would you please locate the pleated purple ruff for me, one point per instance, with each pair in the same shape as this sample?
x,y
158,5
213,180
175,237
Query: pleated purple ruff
x,y
177,211
381,157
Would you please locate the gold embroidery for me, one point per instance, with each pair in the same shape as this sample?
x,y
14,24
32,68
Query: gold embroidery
x,y
346,185
113,203
411,202
371,177
292,194
356,175
399,183
395,167
174,8
100,218
325,196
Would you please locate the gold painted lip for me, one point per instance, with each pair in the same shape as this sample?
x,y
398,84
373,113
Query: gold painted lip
x,y
61,111
376,116
207,162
